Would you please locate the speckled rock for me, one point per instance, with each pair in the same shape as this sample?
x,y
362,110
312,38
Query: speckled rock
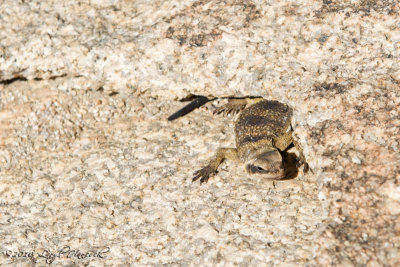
x,y
91,173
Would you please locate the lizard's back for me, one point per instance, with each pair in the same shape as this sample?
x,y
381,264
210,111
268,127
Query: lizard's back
x,y
261,124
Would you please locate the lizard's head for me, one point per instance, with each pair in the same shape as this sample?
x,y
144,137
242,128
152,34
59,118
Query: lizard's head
x,y
267,164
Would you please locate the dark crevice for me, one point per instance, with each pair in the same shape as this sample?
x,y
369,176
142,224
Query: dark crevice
x,y
113,93
60,76
51,77
21,78
15,79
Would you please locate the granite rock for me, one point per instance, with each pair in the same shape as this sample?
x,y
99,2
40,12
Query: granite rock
x,y
91,173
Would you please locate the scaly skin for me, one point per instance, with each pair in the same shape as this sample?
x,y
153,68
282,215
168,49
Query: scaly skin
x,y
262,131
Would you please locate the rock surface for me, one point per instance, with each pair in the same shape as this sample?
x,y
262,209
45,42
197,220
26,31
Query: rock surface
x,y
90,167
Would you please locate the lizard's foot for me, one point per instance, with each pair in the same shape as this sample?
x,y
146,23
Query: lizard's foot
x,y
204,174
230,107
306,167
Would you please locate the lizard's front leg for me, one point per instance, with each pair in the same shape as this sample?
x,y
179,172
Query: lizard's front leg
x,y
208,171
302,159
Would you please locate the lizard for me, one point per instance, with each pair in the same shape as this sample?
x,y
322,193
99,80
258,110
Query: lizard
x,y
262,131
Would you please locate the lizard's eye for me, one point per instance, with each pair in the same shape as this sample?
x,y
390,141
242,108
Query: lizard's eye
x,y
254,169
